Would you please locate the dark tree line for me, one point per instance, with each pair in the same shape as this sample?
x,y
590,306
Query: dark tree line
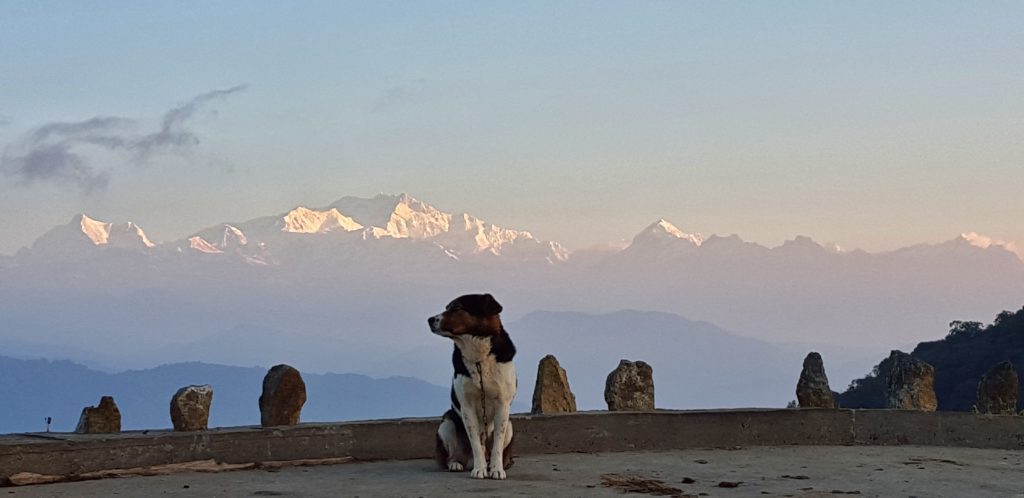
x,y
960,359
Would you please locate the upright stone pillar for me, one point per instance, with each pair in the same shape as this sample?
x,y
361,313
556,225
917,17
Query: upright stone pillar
x,y
190,408
911,384
284,393
551,393
998,390
630,387
104,418
812,390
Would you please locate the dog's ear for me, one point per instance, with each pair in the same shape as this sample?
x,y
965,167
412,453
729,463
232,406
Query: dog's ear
x,y
491,305
481,305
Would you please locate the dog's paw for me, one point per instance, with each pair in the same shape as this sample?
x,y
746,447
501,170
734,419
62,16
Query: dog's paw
x,y
455,467
498,473
478,473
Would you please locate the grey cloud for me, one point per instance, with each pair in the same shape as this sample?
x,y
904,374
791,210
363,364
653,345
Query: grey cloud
x,y
5,120
172,131
96,127
48,153
53,152
56,163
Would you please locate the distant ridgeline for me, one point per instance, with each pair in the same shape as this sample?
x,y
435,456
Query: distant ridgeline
x,y
969,350
33,390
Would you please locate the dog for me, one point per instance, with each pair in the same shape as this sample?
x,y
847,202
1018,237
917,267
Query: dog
x,y
483,386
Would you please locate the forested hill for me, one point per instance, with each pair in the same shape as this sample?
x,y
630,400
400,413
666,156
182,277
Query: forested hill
x,y
960,359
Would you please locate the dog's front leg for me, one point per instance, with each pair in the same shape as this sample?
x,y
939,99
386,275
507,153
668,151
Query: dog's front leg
x,y
474,430
502,436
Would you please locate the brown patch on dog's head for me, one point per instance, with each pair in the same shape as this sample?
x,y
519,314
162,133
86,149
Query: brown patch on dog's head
x,y
473,314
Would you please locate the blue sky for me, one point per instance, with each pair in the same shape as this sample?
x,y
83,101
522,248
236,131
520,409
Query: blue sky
x,y
870,124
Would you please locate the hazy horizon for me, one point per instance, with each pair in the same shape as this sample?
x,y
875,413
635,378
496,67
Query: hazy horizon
x,y
872,125
330,293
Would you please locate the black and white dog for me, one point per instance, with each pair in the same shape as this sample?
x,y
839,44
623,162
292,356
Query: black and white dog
x,y
482,388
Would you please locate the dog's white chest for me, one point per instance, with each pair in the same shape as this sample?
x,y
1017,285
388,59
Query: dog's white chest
x,y
490,382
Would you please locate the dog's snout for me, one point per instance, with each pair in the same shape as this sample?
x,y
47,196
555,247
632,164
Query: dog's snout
x,y
431,320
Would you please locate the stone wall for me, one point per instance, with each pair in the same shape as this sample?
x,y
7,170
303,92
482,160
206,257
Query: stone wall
x,y
68,454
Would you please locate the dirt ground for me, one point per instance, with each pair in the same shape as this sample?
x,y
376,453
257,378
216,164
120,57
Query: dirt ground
x,y
804,471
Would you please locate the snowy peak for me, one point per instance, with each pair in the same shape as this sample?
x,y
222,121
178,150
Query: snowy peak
x,y
305,220
127,235
231,240
199,244
491,237
97,231
84,233
405,217
233,237
663,231
984,242
417,220
399,216
217,239
978,240
469,234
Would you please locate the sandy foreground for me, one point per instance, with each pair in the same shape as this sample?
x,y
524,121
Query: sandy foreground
x,y
803,471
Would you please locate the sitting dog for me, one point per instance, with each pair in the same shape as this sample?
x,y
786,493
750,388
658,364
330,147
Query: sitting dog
x,y
482,388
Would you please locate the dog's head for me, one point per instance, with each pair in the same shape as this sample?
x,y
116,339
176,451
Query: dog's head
x,y
472,314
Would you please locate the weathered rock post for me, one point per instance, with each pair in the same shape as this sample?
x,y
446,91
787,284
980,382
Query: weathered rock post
x,y
998,390
911,384
812,390
551,393
190,408
104,418
284,393
630,387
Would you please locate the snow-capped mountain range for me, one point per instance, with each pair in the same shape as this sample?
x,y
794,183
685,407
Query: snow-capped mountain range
x,y
351,220
267,240
347,288
386,262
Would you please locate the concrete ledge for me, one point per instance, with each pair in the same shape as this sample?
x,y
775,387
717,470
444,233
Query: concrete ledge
x,y
589,432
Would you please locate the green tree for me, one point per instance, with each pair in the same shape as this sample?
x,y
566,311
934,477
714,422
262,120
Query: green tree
x,y
960,360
